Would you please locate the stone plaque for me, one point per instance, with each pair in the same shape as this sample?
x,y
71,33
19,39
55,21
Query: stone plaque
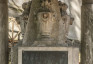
x,y
45,57
48,55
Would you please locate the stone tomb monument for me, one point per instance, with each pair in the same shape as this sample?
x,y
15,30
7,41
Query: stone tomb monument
x,y
45,40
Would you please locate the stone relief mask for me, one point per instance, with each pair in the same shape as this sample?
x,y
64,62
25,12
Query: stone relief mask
x,y
45,24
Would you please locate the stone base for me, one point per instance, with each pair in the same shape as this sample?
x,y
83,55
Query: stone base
x,y
73,52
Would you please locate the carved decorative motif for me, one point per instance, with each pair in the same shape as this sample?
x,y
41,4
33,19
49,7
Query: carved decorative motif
x,y
45,23
46,18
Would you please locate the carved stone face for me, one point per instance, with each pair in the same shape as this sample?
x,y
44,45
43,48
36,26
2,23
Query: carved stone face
x,y
45,23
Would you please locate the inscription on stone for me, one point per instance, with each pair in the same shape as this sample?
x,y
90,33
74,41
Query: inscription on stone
x,y
45,57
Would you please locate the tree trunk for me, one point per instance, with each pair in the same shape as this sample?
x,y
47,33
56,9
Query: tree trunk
x,y
3,32
87,32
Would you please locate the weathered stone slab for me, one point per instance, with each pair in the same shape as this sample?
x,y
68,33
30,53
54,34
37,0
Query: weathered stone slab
x,y
45,57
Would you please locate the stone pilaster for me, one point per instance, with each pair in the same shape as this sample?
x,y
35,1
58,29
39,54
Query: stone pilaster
x,y
3,32
87,32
